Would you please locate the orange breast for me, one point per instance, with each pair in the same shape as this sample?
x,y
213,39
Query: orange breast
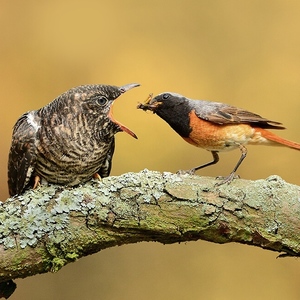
x,y
211,136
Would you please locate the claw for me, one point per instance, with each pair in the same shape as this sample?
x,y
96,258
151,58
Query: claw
x,y
37,181
226,179
183,172
97,176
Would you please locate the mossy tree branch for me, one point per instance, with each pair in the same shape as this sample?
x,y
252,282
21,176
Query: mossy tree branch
x,y
46,228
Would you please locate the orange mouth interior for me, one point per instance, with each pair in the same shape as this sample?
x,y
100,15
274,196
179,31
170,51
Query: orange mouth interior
x,y
123,127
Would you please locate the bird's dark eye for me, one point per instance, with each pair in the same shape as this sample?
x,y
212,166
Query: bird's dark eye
x,y
166,96
101,100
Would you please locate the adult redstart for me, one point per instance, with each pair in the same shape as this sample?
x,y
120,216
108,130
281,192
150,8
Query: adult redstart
x,y
215,126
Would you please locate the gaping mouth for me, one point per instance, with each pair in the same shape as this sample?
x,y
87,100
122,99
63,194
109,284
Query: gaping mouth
x,y
122,127
123,89
149,105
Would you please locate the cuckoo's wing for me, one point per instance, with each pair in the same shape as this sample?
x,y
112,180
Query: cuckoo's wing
x,y
226,114
22,154
104,171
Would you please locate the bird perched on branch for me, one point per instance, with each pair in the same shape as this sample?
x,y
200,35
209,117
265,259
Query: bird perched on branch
x,y
215,126
68,141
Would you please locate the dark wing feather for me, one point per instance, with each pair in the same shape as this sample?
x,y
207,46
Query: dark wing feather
x,y
104,171
22,155
225,114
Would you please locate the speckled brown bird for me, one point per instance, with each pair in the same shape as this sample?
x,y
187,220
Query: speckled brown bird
x,y
215,126
68,141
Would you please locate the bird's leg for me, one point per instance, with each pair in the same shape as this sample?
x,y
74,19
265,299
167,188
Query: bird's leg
x,y
192,171
97,176
231,176
37,181
214,161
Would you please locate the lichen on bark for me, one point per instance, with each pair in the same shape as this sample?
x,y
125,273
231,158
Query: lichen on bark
x,y
44,229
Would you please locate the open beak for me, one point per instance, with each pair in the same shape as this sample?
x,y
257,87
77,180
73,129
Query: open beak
x,y
123,89
128,87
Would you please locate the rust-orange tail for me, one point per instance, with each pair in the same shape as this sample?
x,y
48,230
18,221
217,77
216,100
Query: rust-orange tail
x,y
277,139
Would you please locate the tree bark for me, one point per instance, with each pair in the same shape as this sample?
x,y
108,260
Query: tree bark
x,y
44,229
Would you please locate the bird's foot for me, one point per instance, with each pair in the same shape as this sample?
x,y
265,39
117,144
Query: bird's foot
x,y
183,172
97,176
36,182
226,179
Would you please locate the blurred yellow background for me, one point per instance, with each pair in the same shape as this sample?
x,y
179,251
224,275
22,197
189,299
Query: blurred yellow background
x,y
244,53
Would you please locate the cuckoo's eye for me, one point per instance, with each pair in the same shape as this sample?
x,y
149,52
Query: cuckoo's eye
x,y
101,100
166,96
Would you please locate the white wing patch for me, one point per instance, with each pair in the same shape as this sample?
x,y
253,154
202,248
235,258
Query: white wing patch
x,y
32,122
